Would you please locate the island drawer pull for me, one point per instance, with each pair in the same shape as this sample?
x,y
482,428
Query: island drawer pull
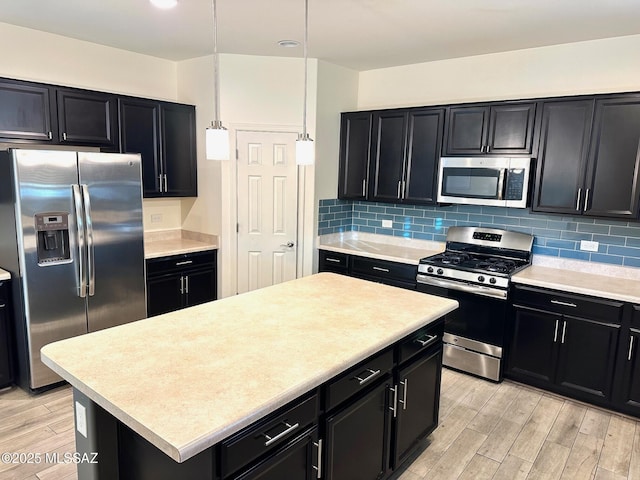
x,y
380,269
335,260
630,348
366,379
3,305
186,262
405,385
319,467
566,304
289,429
429,340
394,407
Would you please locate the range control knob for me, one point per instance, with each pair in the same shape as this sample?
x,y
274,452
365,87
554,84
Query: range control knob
x,y
481,278
440,271
430,270
492,280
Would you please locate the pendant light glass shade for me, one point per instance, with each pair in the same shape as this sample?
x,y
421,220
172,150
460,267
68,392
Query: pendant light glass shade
x,y
217,142
305,148
217,137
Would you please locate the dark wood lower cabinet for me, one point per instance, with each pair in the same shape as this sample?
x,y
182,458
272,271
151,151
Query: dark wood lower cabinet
x,y
6,373
357,438
627,397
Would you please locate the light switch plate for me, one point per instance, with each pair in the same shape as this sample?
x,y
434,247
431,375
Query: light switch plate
x,y
589,246
387,224
81,419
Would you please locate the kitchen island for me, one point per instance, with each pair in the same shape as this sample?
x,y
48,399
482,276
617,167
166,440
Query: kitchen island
x,y
187,381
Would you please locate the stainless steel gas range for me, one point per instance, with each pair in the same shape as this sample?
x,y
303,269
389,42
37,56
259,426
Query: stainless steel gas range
x,y
476,269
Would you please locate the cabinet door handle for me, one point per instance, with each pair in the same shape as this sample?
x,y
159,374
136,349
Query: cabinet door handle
x,y
288,430
424,343
4,305
555,335
630,348
404,189
364,187
166,189
586,199
566,304
186,284
186,262
488,149
564,329
319,467
394,407
366,379
404,384
181,285
334,260
380,269
578,199
49,135
64,135
398,192
161,184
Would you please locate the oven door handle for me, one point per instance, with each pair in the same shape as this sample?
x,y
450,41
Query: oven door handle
x,y
463,287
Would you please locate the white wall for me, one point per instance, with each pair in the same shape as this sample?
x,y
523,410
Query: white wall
x,y
599,66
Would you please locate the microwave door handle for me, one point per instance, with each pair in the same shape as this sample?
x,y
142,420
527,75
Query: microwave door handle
x,y
502,185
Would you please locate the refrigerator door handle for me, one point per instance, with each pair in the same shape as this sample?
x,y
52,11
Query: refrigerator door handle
x,y
80,237
91,264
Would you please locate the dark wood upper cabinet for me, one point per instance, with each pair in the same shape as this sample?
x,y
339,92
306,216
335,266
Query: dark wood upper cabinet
x,y
178,123
589,157
355,142
500,129
389,152
562,155
86,118
25,111
612,183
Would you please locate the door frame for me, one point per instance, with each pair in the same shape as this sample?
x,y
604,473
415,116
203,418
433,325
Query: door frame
x,y
229,205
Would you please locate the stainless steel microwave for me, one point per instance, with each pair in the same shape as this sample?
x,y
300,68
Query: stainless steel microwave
x,y
496,182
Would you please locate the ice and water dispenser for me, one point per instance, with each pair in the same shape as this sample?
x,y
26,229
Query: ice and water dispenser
x,y
52,229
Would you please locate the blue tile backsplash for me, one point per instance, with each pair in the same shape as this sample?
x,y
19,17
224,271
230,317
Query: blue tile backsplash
x,y
557,236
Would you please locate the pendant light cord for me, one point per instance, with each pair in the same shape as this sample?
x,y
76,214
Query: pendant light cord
x,y
304,47
216,90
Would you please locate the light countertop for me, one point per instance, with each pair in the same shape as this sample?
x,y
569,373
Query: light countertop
x,y
4,275
188,379
585,283
410,253
175,242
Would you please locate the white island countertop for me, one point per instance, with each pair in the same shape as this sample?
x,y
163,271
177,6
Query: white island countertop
x,y
4,275
188,379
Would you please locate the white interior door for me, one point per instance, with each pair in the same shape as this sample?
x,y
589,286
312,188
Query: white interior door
x,y
267,208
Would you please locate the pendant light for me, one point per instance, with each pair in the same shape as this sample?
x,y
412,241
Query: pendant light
x,y
305,150
217,137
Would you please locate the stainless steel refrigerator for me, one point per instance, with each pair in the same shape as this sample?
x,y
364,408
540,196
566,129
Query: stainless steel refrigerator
x,y
71,235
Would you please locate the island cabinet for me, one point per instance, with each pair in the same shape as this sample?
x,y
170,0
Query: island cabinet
x,y
6,373
505,128
396,274
565,343
589,157
164,135
180,281
406,147
628,371
355,144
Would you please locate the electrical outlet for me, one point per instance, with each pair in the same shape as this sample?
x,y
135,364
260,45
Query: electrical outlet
x,y
81,419
156,218
387,224
589,246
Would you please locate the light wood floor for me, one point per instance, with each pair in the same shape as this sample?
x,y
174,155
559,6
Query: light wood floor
x,y
487,431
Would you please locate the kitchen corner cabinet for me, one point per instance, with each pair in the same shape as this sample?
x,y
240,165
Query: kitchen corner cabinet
x,y
180,281
164,135
86,118
396,274
26,111
406,146
564,343
589,157
6,367
500,129
355,142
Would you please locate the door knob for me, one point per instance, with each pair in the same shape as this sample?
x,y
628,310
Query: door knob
x,y
288,244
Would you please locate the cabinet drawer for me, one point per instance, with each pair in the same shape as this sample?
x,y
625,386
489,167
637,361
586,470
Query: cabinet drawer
x,y
383,269
244,447
333,262
568,304
420,341
358,378
157,266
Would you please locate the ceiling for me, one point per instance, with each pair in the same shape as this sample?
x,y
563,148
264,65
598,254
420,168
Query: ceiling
x,y
358,34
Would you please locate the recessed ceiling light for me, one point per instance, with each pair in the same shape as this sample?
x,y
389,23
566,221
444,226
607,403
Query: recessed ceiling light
x,y
164,4
289,43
